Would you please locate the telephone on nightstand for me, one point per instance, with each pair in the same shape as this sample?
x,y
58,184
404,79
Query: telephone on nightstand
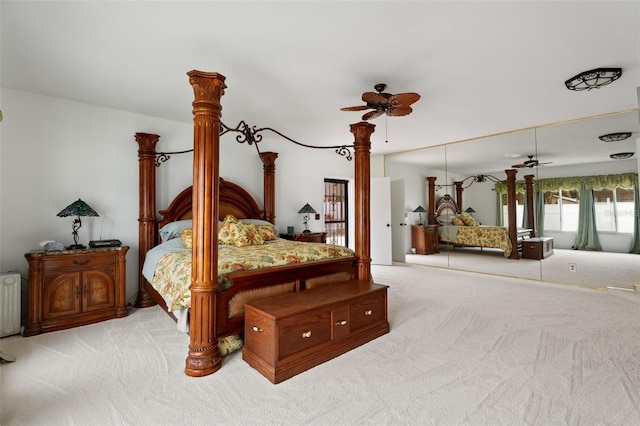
x,y
50,245
105,243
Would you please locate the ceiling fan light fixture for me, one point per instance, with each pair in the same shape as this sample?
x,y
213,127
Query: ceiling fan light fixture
x,y
621,155
593,79
615,137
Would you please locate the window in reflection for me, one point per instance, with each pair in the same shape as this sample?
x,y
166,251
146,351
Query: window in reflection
x,y
614,210
561,210
519,208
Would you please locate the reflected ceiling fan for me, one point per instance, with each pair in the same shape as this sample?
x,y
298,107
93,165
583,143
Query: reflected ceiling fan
x,y
385,103
530,163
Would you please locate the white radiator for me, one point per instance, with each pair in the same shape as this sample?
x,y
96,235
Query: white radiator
x,y
10,288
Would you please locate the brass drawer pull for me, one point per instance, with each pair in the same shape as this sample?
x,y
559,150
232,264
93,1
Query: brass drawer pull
x,y
306,334
343,322
256,329
368,312
81,262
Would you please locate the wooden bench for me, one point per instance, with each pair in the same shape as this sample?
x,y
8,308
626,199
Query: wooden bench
x,y
291,333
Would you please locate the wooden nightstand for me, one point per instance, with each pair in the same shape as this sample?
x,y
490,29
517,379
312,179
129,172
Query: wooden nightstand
x,y
69,288
424,238
309,237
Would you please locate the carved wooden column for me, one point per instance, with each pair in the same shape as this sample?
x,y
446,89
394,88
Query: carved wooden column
x,y
121,271
531,220
431,193
147,232
459,190
269,178
203,358
362,146
511,209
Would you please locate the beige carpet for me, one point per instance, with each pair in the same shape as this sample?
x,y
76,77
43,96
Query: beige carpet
x,y
593,269
463,349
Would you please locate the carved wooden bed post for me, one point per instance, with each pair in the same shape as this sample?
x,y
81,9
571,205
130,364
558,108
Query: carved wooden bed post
x,y
531,221
362,147
431,193
203,358
269,169
147,213
511,209
459,190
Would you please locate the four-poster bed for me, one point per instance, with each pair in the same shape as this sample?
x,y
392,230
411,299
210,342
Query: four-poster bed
x,y
205,204
453,226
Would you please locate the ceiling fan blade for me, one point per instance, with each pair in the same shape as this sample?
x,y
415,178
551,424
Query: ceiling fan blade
x,y
398,111
404,98
519,166
372,114
375,98
355,108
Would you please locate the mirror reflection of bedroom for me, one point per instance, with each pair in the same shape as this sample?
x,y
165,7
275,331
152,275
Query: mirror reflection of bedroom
x,y
566,246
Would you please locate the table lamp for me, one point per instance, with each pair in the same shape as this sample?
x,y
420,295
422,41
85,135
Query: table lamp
x,y
306,210
420,210
77,208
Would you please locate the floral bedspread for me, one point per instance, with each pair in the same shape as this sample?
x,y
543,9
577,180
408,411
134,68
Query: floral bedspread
x,y
172,276
478,236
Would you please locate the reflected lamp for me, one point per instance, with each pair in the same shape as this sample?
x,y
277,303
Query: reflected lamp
x,y
420,210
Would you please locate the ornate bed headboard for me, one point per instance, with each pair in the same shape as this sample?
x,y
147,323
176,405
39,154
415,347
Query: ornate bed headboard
x,y
446,207
233,200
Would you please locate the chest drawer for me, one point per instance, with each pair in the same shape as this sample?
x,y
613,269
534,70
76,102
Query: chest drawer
x,y
367,311
302,332
78,261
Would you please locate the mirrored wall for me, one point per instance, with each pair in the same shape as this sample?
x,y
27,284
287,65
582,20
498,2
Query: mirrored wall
x,y
569,149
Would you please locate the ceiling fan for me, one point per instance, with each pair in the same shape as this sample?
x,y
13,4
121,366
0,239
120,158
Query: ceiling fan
x,y
385,103
530,163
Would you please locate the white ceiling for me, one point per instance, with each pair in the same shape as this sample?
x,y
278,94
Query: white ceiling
x,y
481,67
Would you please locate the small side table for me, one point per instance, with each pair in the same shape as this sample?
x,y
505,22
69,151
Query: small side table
x,y
309,237
70,288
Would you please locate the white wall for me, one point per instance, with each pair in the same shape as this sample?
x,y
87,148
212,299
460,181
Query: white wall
x,y
54,151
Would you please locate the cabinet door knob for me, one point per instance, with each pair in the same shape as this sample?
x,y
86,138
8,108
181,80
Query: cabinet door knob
x,y
306,334
368,312
343,322
256,329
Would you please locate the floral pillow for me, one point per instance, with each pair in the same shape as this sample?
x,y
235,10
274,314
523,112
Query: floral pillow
x,y
224,232
234,232
457,222
247,235
267,232
468,220
187,238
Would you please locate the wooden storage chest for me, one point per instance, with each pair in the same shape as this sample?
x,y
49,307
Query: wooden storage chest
x,y
537,248
291,333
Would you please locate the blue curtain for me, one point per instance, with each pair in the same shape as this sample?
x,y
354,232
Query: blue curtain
x,y
587,236
635,248
538,204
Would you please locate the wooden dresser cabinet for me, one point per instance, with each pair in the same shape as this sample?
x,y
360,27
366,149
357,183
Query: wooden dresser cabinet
x,y
424,239
75,287
309,237
291,333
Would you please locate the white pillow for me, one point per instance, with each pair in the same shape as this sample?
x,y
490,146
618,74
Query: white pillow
x,y
172,229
